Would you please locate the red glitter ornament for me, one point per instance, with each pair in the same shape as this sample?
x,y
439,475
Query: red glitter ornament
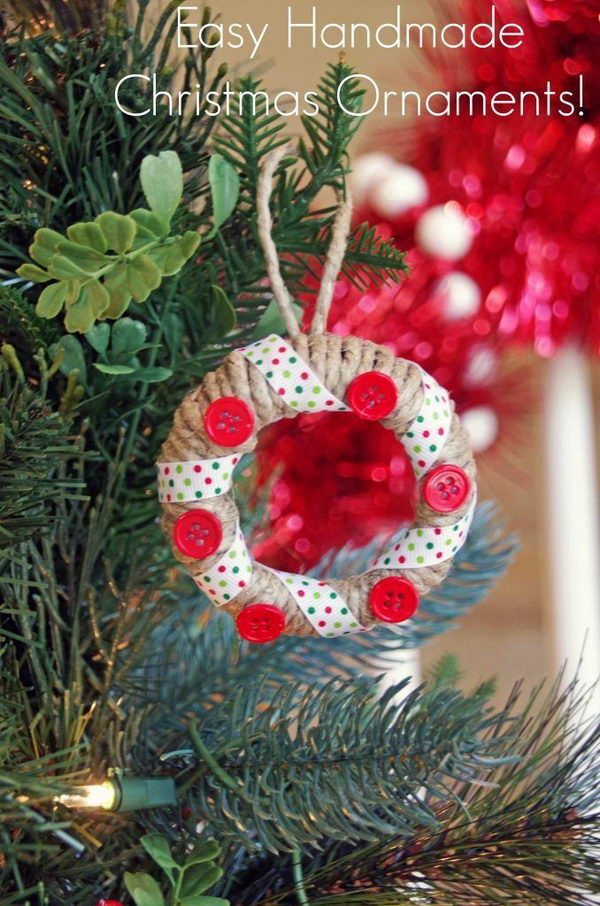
x,y
532,196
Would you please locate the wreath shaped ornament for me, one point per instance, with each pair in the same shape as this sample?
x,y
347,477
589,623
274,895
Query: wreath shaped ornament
x,y
277,378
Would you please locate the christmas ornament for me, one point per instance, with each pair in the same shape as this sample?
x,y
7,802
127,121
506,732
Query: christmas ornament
x,y
458,296
399,190
279,378
526,183
481,424
444,232
369,169
109,903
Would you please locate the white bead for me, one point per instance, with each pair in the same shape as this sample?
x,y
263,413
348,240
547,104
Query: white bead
x,y
481,366
444,232
459,296
400,190
367,170
481,424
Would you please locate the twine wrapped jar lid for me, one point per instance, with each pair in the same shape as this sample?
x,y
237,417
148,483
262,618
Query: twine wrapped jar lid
x,y
275,378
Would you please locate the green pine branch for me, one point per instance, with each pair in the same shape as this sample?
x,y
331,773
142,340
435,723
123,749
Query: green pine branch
x,y
527,834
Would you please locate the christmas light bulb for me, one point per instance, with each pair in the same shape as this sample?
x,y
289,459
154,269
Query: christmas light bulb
x,y
122,794
94,795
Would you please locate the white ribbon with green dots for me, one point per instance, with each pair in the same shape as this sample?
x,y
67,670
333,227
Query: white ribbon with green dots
x,y
198,479
291,377
230,575
427,546
321,604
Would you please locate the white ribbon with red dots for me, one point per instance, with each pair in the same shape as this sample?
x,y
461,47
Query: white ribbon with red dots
x,y
427,546
230,575
291,377
322,605
197,479
428,432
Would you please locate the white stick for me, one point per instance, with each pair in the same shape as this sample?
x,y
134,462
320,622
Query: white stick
x,y
573,532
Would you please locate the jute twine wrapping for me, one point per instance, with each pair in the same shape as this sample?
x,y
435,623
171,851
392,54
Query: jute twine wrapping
x,y
337,361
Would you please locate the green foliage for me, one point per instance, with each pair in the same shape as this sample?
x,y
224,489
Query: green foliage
x,y
224,189
508,837
301,228
36,446
189,881
338,761
93,285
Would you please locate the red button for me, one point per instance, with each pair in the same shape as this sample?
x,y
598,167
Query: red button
x,y
394,599
446,488
198,534
260,623
372,395
229,421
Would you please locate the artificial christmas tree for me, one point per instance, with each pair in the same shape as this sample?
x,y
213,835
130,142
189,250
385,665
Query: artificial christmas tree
x,y
148,755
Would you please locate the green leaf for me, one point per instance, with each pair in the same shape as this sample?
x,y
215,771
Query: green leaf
x,y
119,230
88,234
224,187
157,847
80,316
89,260
144,889
45,243
128,336
48,238
224,316
203,901
149,226
95,295
113,369
41,253
98,337
271,321
33,273
63,268
73,356
162,182
118,290
189,242
203,852
153,375
169,259
143,276
52,299
199,878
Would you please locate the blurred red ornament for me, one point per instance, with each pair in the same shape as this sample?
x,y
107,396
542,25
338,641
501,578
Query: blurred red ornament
x,y
342,480
109,903
531,196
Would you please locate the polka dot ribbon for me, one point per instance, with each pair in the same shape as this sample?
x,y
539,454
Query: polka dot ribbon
x,y
321,604
427,434
227,578
290,376
426,546
195,480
